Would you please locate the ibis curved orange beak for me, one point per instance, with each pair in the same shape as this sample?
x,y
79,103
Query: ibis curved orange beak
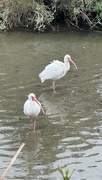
x,y
73,63
34,99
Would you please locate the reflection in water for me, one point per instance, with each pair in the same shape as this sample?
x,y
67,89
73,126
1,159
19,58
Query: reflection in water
x,y
69,134
32,148
53,105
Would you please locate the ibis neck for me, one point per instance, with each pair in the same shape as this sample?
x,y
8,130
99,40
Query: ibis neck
x,y
67,64
31,102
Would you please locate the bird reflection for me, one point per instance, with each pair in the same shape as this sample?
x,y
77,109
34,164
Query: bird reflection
x,y
32,147
53,105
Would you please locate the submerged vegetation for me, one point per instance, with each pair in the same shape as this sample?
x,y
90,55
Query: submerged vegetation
x,y
41,14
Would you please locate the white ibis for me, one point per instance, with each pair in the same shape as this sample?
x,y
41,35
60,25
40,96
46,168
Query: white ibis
x,y
32,108
56,70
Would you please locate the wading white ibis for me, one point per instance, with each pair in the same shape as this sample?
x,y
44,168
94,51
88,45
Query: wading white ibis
x,y
56,70
32,108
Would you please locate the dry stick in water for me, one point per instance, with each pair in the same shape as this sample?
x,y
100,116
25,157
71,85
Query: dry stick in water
x,y
12,161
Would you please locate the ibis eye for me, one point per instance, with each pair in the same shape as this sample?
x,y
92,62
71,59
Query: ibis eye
x,y
32,97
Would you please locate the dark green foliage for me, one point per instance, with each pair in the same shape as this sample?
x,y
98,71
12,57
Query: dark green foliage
x,y
25,13
81,13
39,14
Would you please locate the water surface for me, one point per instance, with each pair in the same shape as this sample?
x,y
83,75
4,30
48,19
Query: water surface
x,y
70,133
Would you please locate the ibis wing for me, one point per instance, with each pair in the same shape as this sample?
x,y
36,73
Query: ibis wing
x,y
52,71
26,108
54,65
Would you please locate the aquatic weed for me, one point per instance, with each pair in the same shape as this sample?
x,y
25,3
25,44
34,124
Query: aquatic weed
x,y
66,175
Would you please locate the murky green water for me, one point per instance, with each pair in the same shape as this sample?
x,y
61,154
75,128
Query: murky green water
x,y
70,134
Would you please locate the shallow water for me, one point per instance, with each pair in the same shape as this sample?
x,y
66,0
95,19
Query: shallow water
x,y
70,133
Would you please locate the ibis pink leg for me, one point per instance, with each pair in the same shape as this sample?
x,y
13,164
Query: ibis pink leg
x,y
34,124
53,85
30,121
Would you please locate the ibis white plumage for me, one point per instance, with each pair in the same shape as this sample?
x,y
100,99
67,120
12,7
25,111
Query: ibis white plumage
x,y
32,108
56,70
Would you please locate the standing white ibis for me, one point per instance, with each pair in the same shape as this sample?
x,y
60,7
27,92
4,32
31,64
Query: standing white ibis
x,y
32,108
56,70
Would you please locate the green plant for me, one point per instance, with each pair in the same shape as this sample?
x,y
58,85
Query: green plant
x,y
39,14
42,17
98,6
67,175
3,19
25,13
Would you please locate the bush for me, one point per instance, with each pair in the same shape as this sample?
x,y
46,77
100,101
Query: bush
x,y
39,14
25,13
81,12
